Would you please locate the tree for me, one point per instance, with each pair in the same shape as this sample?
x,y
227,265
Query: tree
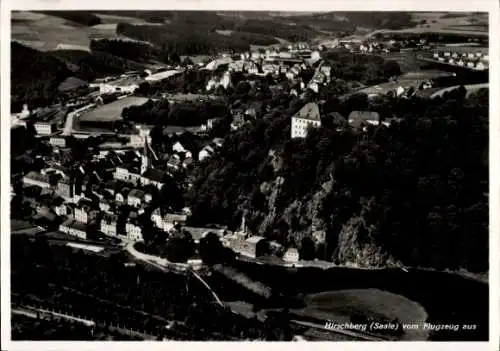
x,y
180,247
144,89
175,58
307,249
211,249
391,68
187,62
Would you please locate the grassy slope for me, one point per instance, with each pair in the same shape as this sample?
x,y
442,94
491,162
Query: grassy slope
x,y
46,32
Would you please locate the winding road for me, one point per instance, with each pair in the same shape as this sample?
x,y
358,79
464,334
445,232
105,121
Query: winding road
x,y
164,264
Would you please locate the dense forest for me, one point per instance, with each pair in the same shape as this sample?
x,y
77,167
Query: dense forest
x,y
35,76
89,66
414,193
368,69
186,39
293,33
162,113
130,50
291,28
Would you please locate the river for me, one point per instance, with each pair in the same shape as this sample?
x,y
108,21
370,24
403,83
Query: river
x,y
447,298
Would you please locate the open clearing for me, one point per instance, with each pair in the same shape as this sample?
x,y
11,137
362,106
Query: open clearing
x,y
112,111
47,33
340,305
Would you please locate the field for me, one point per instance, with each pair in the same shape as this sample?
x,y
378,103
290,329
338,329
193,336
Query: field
x,y
112,111
405,80
406,60
446,23
47,32
340,305
109,20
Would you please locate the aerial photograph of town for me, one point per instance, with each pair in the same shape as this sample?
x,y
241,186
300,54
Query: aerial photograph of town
x,y
249,176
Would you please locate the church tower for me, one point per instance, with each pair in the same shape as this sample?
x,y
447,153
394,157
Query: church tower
x,y
145,158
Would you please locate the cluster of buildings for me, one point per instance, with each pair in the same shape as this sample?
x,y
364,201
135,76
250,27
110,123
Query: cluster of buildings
x,y
127,82
309,117
374,46
46,121
290,61
87,204
473,58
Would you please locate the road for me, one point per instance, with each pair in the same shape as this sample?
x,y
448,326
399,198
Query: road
x,y
164,264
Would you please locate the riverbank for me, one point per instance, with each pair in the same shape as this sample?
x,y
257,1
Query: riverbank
x,y
325,265
439,293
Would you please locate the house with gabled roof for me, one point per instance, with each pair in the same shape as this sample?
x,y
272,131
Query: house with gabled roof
x,y
308,116
166,221
109,224
136,197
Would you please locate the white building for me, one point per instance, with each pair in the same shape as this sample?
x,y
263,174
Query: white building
x,y
308,116
45,127
37,179
224,81
59,141
74,228
167,221
135,197
84,214
291,255
136,140
481,66
178,147
134,231
206,152
109,225
314,86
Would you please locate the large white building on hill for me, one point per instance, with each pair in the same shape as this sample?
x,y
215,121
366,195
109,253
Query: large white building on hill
x,y
308,116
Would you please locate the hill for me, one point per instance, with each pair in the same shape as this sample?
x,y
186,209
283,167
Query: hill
x,y
36,76
53,30
411,194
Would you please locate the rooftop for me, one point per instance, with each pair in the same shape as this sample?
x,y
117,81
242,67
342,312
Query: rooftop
x,y
175,217
75,225
38,176
363,116
309,111
136,193
255,239
162,75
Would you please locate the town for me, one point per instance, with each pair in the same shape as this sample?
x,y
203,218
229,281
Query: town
x,y
122,166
